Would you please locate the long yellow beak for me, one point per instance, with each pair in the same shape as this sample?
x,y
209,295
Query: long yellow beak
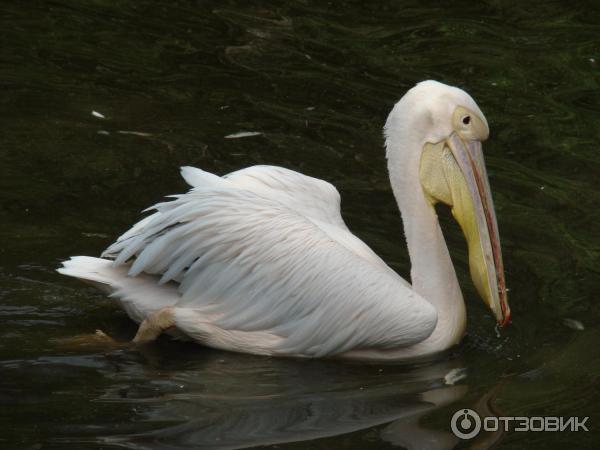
x,y
473,208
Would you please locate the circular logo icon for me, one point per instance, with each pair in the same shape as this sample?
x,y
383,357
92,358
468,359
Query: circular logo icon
x,y
465,424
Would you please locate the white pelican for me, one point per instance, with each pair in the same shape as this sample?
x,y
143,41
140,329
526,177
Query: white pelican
x,y
260,260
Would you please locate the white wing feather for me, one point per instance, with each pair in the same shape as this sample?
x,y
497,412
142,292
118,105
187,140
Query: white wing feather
x,y
265,250
308,196
312,198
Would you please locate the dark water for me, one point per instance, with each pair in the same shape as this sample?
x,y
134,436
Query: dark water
x,y
317,80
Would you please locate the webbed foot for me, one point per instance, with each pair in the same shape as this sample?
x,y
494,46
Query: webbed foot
x,y
97,340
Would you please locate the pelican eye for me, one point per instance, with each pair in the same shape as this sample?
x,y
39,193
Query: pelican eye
x,y
469,125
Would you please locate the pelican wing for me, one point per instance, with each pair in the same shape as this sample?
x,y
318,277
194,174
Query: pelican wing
x,y
264,250
312,198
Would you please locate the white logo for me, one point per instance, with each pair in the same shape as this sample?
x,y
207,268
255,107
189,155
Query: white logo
x,y
465,424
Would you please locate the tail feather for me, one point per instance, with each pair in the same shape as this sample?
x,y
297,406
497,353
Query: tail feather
x,y
97,271
139,296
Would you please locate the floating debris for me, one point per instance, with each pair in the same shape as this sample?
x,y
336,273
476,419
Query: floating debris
x,y
242,134
135,133
98,115
99,235
574,324
455,375
103,132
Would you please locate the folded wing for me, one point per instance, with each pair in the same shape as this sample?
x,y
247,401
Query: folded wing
x,y
266,250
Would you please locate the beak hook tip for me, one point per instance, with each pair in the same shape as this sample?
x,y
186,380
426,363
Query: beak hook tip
x,y
506,320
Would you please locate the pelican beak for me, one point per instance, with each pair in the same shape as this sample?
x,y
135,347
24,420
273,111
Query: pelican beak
x,y
473,208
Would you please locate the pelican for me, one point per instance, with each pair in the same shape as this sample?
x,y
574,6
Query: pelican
x,y
260,260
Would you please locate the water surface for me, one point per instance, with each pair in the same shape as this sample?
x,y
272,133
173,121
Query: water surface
x,y
316,80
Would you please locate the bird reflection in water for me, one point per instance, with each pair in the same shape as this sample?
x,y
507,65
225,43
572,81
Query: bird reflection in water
x,y
228,401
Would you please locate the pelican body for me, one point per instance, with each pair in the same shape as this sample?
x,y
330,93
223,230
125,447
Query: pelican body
x,y
260,260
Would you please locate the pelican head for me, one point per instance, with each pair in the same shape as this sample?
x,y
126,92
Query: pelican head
x,y
443,136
